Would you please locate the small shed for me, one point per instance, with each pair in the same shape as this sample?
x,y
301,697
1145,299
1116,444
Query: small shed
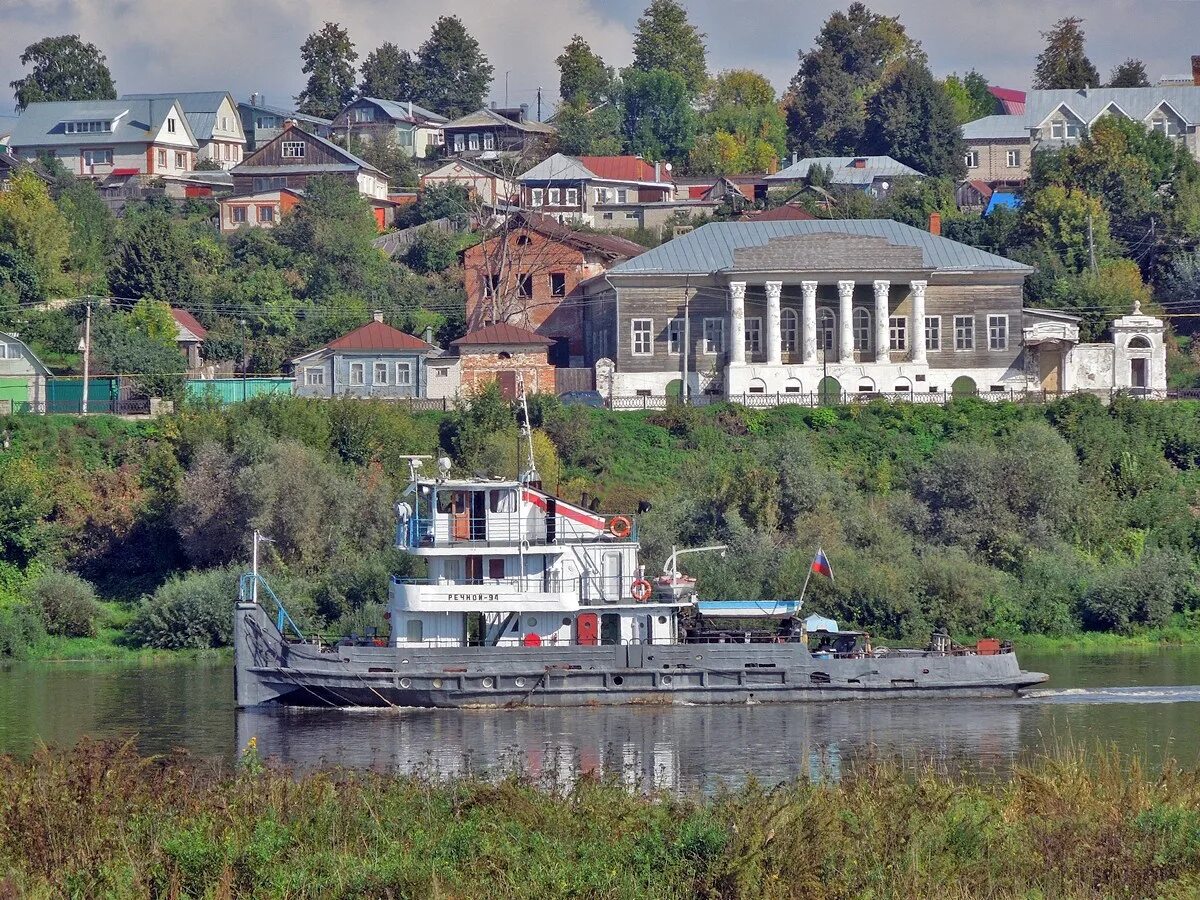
x,y
22,377
499,353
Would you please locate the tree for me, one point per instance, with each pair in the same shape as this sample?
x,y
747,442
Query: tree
x,y
911,118
388,157
659,120
454,72
1064,62
1099,297
745,130
390,73
150,257
588,132
142,343
328,57
970,95
64,68
93,225
583,77
666,40
827,97
1131,73
1058,220
32,225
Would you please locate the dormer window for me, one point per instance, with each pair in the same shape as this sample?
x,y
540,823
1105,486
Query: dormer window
x,y
87,127
293,149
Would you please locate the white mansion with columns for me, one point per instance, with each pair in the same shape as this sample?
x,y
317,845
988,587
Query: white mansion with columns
x,y
846,307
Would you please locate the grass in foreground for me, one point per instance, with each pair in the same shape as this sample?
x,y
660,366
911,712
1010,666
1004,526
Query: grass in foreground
x,y
101,821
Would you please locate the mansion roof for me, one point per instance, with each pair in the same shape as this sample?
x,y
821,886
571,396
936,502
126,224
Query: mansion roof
x,y
806,245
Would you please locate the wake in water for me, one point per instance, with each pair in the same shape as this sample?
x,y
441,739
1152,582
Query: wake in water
x,y
1141,694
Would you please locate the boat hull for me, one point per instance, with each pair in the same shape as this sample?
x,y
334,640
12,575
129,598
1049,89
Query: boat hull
x,y
270,670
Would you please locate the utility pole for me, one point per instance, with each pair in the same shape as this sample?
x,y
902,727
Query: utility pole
x,y
506,89
1091,245
87,356
687,342
243,322
539,104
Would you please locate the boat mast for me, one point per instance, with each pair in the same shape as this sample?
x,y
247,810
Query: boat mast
x,y
530,474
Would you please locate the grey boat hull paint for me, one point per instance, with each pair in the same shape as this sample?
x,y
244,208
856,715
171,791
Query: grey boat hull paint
x,y
268,669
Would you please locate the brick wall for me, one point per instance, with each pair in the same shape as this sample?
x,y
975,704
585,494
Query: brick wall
x,y
479,367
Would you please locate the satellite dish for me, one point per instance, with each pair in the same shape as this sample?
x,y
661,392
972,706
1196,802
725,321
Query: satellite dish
x,y
667,167
443,467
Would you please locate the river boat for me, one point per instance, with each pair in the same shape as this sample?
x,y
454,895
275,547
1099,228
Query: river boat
x,y
531,600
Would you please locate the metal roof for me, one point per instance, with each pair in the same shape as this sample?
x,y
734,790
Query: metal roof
x,y
200,107
502,335
398,109
558,167
1138,103
995,128
378,336
283,112
711,247
293,170
41,124
485,117
844,170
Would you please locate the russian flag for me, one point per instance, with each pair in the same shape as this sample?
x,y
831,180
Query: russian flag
x,y
820,565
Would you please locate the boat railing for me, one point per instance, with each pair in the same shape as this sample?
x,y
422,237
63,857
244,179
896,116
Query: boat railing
x,y
501,530
597,590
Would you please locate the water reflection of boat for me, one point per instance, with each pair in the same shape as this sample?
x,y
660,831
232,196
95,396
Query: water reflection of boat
x,y
674,748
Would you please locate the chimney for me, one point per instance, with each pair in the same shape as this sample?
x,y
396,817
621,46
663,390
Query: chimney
x,y
935,224
657,171
493,104
290,123
429,335
377,316
1196,70
410,114
254,98
859,163
524,112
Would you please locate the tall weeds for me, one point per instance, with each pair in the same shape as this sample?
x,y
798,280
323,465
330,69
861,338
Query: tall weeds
x,y
102,821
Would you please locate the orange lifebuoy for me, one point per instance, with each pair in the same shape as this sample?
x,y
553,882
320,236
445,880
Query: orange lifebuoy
x,y
620,526
641,590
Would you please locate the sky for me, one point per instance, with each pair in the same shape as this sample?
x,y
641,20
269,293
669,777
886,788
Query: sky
x,y
240,46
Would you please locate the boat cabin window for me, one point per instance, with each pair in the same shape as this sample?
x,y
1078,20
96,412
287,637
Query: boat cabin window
x,y
496,567
451,502
504,501
415,631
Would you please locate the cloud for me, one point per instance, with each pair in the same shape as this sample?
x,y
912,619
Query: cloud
x,y
254,46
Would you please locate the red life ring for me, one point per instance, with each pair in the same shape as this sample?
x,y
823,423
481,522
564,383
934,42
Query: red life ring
x,y
620,527
640,590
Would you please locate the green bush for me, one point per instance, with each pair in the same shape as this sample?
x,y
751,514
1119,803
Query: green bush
x,y
193,611
66,603
20,627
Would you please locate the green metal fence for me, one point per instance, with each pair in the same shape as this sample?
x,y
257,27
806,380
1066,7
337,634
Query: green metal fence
x,y
235,390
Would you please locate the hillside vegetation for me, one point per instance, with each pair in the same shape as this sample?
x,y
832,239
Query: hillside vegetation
x,y
975,517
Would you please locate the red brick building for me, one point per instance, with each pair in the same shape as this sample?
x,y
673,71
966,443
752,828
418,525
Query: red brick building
x,y
501,353
528,275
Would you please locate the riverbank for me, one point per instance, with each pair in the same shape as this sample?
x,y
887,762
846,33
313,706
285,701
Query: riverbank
x,y
101,821
1184,633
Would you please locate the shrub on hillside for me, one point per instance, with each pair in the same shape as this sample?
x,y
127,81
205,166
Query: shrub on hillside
x,y
193,611
20,627
66,604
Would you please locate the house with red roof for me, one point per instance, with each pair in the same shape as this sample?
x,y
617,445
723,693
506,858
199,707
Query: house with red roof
x,y
505,354
375,360
579,188
189,335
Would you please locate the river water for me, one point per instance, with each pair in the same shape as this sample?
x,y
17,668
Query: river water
x,y
1143,703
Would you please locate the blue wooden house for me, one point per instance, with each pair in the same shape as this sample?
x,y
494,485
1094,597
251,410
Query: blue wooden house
x,y
375,360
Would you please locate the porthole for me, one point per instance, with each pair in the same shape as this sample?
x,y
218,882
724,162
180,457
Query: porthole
x,y
566,620
489,682
404,662
699,658
662,620
520,682
618,680
531,622
405,683
666,680
437,684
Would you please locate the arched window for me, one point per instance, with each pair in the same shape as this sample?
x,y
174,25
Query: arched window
x,y
862,328
788,323
757,386
1137,342
825,329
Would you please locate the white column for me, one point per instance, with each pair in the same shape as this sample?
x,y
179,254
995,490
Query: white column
x,y
774,345
737,323
917,335
808,323
846,322
882,338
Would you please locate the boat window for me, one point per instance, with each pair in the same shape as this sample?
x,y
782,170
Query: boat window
x,y
496,567
416,631
503,501
662,620
566,620
531,622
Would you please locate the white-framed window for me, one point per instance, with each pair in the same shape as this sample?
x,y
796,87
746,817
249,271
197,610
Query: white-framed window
x,y
266,214
237,214
825,329
964,332
9,351
180,160
754,335
404,373
714,336
603,195
364,114
97,157
86,127
1057,130
489,140
861,319
555,196
536,196
1012,158
622,195
997,332
161,158
293,149
358,373
675,336
933,332
472,141
572,196
314,376
224,123
1072,130
380,375
972,159
788,326
897,333
459,143
642,337
171,125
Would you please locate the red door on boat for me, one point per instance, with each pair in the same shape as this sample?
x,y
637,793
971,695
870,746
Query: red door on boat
x,y
587,629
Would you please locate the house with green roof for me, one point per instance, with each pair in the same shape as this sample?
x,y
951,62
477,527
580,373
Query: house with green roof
x,y
838,308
